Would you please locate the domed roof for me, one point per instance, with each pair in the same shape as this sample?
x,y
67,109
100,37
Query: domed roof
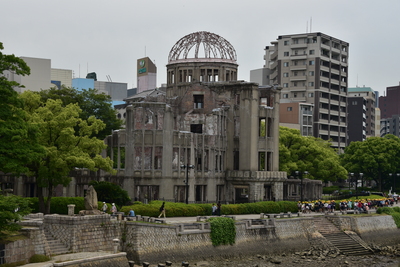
x,y
214,47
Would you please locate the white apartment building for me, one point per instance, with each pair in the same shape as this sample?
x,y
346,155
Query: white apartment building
x,y
313,68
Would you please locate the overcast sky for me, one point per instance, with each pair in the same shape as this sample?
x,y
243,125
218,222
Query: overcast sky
x,y
108,36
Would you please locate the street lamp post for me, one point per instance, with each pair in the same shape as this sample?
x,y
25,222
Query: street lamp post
x,y
394,181
300,175
361,177
187,167
351,179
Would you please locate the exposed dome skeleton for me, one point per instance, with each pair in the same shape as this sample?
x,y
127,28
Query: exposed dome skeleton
x,y
214,45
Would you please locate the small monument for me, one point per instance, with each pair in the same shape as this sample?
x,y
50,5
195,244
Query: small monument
x,y
91,203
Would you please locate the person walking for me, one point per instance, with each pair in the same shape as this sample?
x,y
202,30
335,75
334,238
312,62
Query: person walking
x,y
219,208
214,209
105,207
113,209
162,210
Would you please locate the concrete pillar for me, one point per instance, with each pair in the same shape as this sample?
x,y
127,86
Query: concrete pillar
x,y
71,209
116,244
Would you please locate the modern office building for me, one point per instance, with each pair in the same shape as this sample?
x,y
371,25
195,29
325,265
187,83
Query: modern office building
x,y
357,107
389,104
146,75
357,118
297,115
313,68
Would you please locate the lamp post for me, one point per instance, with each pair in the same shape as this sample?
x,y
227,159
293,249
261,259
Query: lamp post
x,y
394,181
300,175
361,176
351,178
187,167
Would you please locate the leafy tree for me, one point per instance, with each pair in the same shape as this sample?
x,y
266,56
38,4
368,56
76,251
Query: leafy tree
x,y
307,153
18,138
91,102
66,149
110,193
12,209
375,157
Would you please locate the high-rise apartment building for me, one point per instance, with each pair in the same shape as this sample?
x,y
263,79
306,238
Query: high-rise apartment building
x,y
367,108
313,68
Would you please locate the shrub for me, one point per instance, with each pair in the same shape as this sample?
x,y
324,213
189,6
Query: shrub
x,y
396,218
330,189
396,209
223,231
39,258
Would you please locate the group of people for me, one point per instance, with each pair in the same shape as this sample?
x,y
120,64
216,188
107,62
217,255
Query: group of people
x,y
216,209
114,210
330,205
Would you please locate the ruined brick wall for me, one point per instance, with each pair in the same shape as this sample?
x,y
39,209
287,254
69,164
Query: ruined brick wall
x,y
84,233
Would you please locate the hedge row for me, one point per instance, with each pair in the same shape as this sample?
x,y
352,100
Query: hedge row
x,y
182,210
59,205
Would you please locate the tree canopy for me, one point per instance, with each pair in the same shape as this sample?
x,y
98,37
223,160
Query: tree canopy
x,y
307,153
375,157
18,137
12,209
91,102
66,148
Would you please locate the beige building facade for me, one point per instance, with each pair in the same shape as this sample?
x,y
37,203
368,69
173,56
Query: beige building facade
x,y
313,68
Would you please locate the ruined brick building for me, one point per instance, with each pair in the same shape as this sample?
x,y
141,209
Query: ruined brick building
x,y
206,137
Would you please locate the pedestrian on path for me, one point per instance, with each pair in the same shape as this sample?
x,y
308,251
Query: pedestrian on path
x,y
162,210
219,208
105,207
113,209
214,209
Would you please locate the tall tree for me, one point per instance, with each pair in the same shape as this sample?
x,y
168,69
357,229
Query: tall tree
x,y
66,148
307,153
91,102
375,157
18,137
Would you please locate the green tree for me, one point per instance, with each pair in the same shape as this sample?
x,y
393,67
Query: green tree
x,y
91,102
18,137
66,148
12,209
110,193
375,157
307,153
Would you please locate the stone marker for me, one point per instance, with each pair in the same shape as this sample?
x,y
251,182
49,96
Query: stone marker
x,y
91,203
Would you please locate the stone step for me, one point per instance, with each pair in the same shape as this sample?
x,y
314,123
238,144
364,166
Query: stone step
x,y
56,247
340,239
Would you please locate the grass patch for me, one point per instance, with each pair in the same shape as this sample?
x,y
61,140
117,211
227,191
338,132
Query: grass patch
x,y
39,258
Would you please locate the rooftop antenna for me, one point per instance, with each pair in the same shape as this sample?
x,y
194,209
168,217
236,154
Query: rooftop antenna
x,y
307,27
310,24
145,51
87,67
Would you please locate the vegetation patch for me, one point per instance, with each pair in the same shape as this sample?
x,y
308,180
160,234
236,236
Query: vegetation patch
x,y
223,231
39,258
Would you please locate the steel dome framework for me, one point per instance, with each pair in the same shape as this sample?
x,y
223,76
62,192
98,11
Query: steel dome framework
x,y
214,45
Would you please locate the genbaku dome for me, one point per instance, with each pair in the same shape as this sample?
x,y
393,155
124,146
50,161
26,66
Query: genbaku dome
x,y
205,137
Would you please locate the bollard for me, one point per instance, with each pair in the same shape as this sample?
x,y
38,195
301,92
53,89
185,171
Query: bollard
x,y
119,217
185,264
116,244
146,264
168,263
71,209
161,265
131,263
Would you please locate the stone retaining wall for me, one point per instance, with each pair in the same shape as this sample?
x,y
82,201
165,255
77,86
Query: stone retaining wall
x,y
83,233
18,251
379,230
152,242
